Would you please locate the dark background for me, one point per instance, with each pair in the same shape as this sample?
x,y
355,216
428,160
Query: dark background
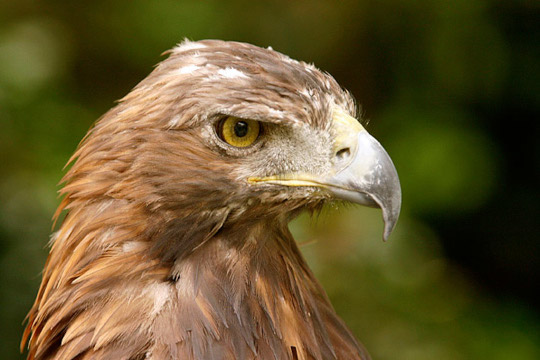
x,y
451,89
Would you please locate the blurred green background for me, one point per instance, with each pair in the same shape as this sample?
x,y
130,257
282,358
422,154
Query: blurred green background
x,y
452,91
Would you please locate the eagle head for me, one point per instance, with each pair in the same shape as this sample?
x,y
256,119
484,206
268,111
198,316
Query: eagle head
x,y
239,132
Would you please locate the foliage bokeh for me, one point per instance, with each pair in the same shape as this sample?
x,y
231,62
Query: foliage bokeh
x,y
451,89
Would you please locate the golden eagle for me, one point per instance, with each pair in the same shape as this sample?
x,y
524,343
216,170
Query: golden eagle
x,y
175,242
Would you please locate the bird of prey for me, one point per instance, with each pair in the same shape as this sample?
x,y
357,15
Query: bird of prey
x,y
175,243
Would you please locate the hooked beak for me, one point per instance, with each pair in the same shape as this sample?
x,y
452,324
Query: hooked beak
x,y
362,171
366,175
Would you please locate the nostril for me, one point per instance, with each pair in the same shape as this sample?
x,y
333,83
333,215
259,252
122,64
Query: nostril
x,y
343,153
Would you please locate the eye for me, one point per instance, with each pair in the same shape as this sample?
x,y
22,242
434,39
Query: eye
x,y
239,132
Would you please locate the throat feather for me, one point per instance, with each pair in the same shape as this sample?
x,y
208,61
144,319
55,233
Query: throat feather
x,y
255,293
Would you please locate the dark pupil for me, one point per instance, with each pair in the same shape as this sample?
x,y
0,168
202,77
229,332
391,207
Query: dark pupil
x,y
241,128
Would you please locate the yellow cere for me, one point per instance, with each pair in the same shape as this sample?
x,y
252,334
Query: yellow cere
x,y
239,132
343,120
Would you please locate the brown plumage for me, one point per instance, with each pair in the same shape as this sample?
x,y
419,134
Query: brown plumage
x,y
175,244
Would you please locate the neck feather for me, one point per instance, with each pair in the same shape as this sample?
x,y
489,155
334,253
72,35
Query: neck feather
x,y
244,292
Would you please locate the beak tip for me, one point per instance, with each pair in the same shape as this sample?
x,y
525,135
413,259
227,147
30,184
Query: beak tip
x,y
391,213
388,229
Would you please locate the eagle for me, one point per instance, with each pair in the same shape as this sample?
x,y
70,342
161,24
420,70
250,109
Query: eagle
x,y
175,240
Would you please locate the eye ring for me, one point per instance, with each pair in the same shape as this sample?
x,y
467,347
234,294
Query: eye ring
x,y
239,132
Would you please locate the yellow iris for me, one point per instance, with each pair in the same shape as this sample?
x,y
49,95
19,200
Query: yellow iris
x,y
239,132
